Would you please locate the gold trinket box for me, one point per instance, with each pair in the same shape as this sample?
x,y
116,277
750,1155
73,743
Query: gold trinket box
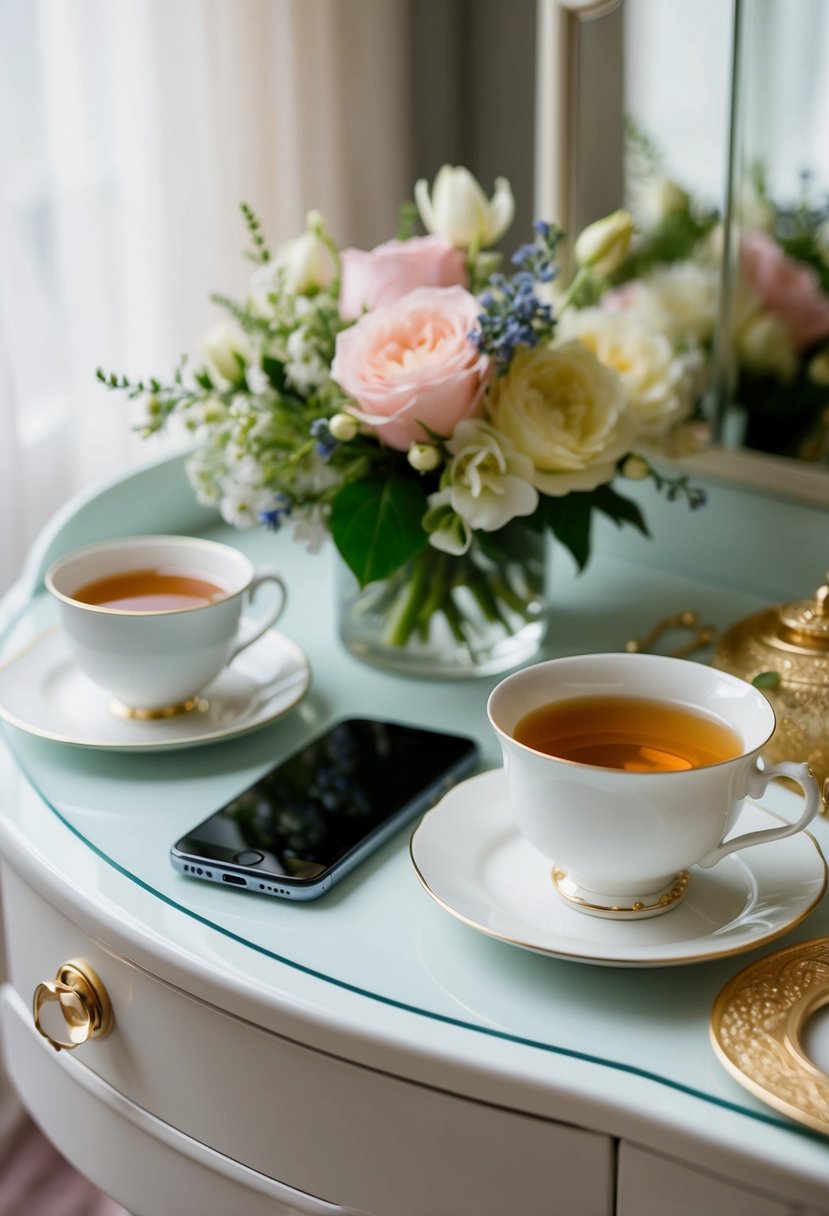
x,y
785,651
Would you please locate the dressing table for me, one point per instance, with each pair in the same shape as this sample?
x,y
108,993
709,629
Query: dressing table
x,y
369,1053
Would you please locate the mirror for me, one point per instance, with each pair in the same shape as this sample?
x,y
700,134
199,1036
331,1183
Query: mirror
x,y
726,170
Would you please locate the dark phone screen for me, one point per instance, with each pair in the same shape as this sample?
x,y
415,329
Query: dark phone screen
x,y
314,808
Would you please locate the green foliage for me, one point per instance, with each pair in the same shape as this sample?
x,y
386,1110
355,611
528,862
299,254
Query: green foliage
x,y
260,251
376,524
673,239
408,222
570,518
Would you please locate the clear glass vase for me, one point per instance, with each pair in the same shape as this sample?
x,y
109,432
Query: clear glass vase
x,y
451,617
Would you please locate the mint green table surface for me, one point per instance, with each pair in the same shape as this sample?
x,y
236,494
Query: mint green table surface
x,y
376,969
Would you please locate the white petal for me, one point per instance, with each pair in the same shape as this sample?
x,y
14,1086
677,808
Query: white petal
x,y
424,204
501,210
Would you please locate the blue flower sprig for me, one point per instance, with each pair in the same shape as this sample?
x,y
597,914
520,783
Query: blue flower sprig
x,y
513,315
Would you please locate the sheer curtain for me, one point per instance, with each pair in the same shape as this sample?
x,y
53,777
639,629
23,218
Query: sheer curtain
x,y
129,133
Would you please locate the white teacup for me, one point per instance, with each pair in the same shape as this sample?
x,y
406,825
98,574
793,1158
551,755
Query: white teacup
x,y
623,841
155,662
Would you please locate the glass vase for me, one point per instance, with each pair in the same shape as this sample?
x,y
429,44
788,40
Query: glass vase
x,y
441,616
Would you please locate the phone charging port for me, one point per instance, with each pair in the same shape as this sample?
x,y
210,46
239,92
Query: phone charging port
x,y
235,879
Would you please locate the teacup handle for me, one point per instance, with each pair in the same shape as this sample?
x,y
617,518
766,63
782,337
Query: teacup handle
x,y
758,784
250,631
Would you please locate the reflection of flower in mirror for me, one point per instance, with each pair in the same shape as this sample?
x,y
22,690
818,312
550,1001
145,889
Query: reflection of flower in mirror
x,y
779,324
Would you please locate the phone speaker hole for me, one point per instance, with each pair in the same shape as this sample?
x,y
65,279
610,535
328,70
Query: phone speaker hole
x,y
235,879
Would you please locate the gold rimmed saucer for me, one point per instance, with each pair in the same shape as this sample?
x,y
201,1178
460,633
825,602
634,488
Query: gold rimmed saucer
x,y
475,864
44,692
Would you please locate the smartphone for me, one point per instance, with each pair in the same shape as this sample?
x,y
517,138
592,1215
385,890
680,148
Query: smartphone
x,y
313,817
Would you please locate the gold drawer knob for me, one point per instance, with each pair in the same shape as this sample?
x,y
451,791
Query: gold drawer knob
x,y
82,1002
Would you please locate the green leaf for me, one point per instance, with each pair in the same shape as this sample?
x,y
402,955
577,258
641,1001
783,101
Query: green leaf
x,y
620,509
767,679
376,525
275,371
569,520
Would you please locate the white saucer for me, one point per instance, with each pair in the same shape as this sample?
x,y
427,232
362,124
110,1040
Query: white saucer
x,y
472,860
43,692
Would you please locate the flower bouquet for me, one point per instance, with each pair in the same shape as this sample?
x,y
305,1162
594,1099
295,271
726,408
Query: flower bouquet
x,y
434,414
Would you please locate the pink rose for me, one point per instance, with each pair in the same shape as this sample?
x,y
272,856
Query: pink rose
x,y
413,362
785,287
371,279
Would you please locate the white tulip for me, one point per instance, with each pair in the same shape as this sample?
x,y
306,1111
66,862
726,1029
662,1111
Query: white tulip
x,y
306,262
223,346
459,211
603,246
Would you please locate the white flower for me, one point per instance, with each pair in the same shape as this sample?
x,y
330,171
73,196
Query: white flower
x,y
753,209
603,245
202,474
658,198
343,427
307,375
241,504
423,456
305,369
657,383
680,299
227,352
302,266
314,477
566,411
447,530
490,483
310,527
256,380
306,263
460,212
764,346
245,470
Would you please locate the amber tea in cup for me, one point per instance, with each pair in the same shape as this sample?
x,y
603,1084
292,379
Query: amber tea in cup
x,y
627,770
153,620
634,734
154,590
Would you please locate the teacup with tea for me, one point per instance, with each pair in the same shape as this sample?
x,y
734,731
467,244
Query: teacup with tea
x,y
152,620
628,769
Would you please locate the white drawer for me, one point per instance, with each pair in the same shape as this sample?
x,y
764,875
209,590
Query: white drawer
x,y
650,1185
350,1135
149,1167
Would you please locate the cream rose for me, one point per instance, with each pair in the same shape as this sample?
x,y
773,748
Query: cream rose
x,y
655,378
565,410
411,367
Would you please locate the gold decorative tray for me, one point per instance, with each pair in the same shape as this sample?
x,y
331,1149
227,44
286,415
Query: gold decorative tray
x,y
757,1026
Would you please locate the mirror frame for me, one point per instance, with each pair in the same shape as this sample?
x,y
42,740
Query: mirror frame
x,y
561,105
